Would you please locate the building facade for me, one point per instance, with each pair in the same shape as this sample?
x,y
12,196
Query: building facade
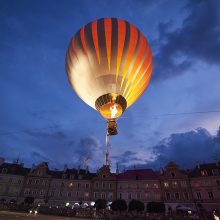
x,y
205,184
139,184
173,186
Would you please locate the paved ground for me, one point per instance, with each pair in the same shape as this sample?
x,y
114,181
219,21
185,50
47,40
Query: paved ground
x,y
4,215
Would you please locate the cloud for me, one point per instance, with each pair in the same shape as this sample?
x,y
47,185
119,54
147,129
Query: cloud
x,y
197,39
127,158
187,148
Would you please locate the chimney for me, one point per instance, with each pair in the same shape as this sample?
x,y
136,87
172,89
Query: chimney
x,y
87,169
198,165
161,170
33,167
65,168
117,169
78,169
2,160
216,163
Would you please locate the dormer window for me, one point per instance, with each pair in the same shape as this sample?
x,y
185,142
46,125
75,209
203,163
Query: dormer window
x,y
64,176
173,174
103,176
72,176
204,173
215,172
4,170
80,177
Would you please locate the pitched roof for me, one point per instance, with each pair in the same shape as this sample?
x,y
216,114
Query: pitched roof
x,y
209,167
138,174
14,168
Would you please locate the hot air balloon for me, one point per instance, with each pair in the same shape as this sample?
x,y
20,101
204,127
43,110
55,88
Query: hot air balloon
x,y
109,65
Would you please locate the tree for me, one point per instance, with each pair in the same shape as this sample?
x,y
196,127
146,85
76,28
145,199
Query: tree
x,y
29,200
119,205
156,207
136,205
100,204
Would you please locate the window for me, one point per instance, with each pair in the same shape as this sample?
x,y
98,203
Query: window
x,y
183,183
4,170
78,185
218,182
138,196
69,194
77,194
10,180
168,196
156,185
120,196
120,186
204,173
215,172
95,195
42,192
19,181
147,195
103,185
136,177
210,195
62,184
198,194
52,193
166,184
87,185
174,184
186,195
97,185
72,176
60,194
64,176
103,195
103,176
129,196
36,182
177,196
110,185
173,174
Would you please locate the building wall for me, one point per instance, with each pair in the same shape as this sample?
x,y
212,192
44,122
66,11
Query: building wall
x,y
173,186
144,190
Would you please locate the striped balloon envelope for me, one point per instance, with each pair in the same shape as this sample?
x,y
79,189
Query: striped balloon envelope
x,y
109,65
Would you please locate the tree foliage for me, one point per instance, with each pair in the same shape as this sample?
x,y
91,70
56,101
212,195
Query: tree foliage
x,y
29,200
119,205
100,204
136,205
156,207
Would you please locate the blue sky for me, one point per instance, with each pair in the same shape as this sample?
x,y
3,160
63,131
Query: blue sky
x,y
42,119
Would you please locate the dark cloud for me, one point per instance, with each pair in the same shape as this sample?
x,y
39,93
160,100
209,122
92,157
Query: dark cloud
x,y
187,148
197,39
127,158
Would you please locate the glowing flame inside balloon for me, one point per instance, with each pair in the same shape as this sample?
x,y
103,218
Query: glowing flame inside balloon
x,y
113,110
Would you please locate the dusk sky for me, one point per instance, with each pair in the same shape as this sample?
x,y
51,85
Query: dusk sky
x,y
42,119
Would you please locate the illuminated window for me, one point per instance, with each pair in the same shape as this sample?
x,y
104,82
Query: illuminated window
x,y
204,173
174,184
166,184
